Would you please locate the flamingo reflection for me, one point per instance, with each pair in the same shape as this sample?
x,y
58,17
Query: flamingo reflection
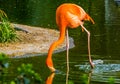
x,y
50,78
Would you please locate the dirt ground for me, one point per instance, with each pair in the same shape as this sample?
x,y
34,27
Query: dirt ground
x,y
32,40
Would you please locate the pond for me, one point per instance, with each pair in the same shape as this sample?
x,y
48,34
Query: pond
x,y
105,41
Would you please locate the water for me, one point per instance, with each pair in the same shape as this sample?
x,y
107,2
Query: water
x,y
105,40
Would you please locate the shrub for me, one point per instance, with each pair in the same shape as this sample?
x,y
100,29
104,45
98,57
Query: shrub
x,y
7,32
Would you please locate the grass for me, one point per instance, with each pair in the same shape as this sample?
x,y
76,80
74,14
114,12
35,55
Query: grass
x,y
7,32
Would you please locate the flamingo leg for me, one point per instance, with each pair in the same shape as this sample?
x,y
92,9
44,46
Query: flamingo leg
x,y
67,48
90,60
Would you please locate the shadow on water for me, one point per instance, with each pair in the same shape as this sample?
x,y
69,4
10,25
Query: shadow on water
x,y
105,41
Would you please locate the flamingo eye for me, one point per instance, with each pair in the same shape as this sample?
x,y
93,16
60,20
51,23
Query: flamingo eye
x,y
82,20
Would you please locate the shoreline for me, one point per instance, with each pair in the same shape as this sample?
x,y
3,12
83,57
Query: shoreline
x,y
35,41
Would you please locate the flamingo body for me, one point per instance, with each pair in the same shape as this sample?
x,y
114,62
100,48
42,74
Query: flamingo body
x,y
71,15
67,15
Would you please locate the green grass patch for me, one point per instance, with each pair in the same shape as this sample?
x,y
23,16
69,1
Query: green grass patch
x,y
7,31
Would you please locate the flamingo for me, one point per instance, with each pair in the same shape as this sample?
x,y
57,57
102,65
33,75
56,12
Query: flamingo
x,y
69,15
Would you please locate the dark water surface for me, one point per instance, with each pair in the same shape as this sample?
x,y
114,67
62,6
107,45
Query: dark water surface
x,y
105,40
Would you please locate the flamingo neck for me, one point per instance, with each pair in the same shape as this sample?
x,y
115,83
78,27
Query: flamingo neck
x,y
49,61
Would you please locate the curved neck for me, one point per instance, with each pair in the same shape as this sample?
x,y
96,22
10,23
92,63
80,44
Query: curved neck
x,y
53,46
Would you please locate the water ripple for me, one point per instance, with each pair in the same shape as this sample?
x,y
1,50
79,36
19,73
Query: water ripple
x,y
102,71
